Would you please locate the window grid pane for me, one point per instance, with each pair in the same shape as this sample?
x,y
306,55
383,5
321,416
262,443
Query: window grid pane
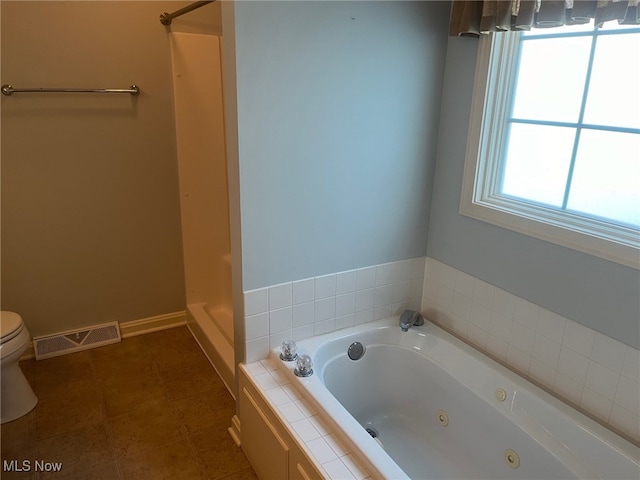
x,y
550,85
613,102
535,171
608,189
534,182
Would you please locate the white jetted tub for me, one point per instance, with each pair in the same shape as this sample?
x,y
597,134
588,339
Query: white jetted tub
x,y
439,409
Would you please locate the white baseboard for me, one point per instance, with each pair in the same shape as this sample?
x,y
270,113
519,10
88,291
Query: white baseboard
x,y
234,429
143,326
134,328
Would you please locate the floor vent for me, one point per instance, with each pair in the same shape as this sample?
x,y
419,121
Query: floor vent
x,y
76,340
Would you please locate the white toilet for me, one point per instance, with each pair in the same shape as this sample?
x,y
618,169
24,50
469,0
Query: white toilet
x,y
17,397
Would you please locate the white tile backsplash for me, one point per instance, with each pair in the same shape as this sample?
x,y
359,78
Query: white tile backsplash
x,y
418,267
345,304
256,326
365,278
482,292
480,316
364,299
280,320
276,339
627,394
546,351
631,366
464,284
601,380
597,373
346,282
300,333
303,291
385,274
500,326
280,296
522,338
303,314
608,352
345,321
504,303
325,309
402,291
596,404
320,328
551,325
573,365
625,421
579,338
256,301
257,348
383,295
364,316
313,306
325,286
526,313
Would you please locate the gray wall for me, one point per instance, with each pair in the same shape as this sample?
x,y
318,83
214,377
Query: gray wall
x,y
90,205
338,107
597,293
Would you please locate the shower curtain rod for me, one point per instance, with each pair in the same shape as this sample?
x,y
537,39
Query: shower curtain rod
x,y
166,18
9,90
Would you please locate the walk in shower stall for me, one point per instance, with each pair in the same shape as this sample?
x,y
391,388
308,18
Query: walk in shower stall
x,y
197,86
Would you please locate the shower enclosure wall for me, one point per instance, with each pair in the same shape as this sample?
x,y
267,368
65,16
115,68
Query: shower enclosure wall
x,y
197,85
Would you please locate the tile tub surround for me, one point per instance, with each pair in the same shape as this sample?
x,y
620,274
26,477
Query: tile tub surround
x,y
313,306
310,428
595,373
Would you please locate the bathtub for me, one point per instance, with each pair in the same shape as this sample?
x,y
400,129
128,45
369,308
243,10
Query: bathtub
x,y
440,409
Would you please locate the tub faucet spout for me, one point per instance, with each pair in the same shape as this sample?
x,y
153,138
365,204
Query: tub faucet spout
x,y
410,318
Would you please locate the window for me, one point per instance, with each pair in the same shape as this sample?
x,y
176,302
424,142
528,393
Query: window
x,y
554,141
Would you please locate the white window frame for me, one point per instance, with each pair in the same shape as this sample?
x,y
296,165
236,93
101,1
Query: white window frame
x,y
493,88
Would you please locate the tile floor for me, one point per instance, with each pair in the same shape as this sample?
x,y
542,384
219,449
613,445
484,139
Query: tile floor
x,y
150,407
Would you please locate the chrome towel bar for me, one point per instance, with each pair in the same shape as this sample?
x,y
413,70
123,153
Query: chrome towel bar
x,y
9,90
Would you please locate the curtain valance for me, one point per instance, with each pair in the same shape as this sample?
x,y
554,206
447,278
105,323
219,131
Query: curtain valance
x,y
472,18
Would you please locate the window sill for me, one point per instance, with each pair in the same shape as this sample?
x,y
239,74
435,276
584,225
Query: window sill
x,y
577,235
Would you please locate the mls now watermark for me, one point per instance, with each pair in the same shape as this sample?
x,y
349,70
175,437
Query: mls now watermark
x,y
28,466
